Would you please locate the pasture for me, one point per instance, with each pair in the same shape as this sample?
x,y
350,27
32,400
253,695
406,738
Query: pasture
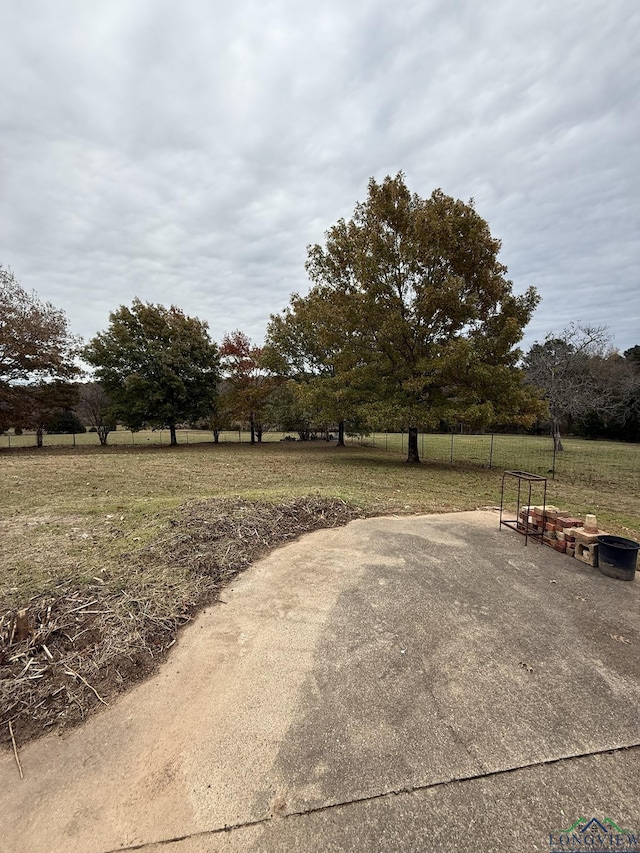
x,y
111,549
61,505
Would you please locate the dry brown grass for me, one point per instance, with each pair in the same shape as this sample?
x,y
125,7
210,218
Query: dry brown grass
x,y
112,549
87,642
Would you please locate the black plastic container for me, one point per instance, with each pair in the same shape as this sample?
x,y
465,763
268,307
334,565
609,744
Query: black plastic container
x,y
617,557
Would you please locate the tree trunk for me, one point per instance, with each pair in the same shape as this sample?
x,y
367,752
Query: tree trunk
x,y
340,434
252,426
103,432
216,436
557,441
412,455
259,432
39,432
172,432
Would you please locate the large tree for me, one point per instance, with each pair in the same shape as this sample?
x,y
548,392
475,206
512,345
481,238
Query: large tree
x,y
423,311
35,342
157,365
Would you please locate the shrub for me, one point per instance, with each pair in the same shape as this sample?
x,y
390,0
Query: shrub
x,y
64,422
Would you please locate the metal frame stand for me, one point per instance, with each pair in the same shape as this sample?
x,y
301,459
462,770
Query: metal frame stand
x,y
523,477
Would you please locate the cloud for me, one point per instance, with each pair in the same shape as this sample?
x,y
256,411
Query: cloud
x,y
189,153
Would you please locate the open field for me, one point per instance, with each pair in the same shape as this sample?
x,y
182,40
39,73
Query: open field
x,y
107,543
594,463
372,474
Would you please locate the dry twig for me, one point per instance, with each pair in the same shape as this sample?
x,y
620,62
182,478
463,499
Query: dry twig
x,y
114,637
15,750
72,672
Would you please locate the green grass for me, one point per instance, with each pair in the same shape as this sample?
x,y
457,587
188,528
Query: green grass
x,y
596,463
120,437
143,438
71,512
587,476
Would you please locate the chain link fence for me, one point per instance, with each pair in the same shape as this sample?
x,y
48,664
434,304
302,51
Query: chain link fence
x,y
581,460
123,437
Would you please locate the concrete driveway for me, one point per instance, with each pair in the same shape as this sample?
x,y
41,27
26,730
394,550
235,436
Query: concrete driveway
x,y
416,683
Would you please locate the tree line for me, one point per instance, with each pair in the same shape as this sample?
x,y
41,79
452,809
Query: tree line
x,y
410,323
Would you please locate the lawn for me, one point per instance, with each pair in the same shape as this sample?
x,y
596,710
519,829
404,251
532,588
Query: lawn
x,y
67,512
91,538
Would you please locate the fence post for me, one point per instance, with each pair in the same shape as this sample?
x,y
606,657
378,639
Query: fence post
x,y
451,454
491,453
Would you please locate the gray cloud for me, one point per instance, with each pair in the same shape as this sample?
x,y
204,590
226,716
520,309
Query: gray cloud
x,y
189,152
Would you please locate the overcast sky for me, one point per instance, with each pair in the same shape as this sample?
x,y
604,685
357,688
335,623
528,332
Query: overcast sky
x,y
188,151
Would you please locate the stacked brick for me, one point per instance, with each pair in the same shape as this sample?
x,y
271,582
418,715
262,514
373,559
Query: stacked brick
x,y
557,529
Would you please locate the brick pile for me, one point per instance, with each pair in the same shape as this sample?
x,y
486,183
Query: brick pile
x,y
557,529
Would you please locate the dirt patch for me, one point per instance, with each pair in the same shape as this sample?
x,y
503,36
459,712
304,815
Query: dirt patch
x,y
85,645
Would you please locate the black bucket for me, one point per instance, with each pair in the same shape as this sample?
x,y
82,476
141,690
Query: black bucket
x,y
617,557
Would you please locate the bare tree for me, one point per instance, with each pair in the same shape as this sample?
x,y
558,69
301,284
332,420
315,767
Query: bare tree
x,y
94,409
572,372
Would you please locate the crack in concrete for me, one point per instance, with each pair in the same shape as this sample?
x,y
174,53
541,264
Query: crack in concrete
x,y
409,789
